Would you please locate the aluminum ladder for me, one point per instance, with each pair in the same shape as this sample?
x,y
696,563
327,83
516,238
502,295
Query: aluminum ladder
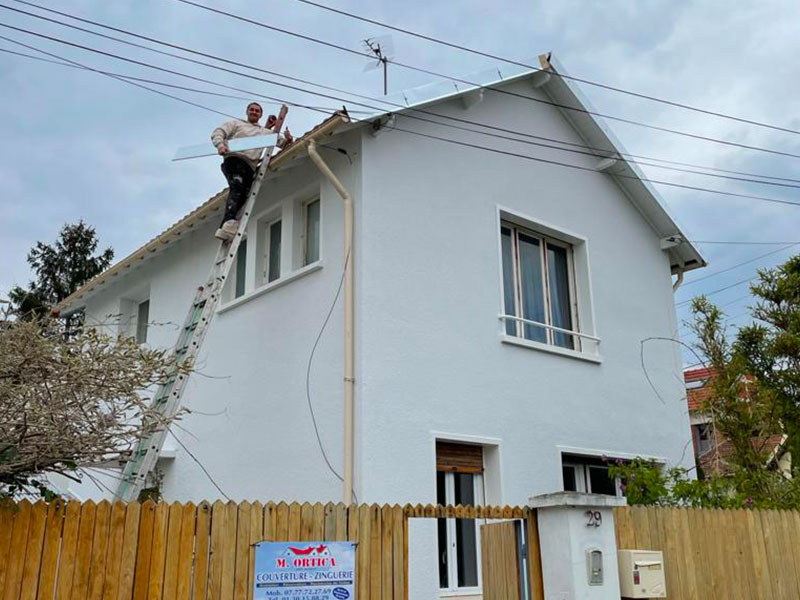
x,y
167,399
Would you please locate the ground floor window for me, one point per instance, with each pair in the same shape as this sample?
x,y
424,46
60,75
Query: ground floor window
x,y
588,474
459,480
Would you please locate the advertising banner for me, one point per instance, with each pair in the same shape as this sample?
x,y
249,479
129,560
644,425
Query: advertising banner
x,y
307,570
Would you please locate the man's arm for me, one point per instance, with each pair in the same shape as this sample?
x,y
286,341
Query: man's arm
x,y
221,135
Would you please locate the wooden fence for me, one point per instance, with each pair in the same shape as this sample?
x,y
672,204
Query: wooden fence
x,y
719,554
149,551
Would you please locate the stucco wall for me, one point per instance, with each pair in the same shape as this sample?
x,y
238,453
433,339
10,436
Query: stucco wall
x,y
432,363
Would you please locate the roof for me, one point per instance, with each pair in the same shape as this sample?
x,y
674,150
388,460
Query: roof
x,y
555,83
562,91
196,217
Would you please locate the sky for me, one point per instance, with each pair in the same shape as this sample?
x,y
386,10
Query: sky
x,y
81,145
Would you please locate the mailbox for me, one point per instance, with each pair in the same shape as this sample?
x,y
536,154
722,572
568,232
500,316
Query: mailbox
x,y
641,574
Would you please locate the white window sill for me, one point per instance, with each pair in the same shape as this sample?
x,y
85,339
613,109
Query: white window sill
x,y
516,341
268,287
473,592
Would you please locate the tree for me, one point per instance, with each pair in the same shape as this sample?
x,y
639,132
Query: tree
x,y
755,396
70,402
60,270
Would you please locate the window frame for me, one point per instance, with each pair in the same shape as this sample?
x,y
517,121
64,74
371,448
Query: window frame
x,y
544,241
266,237
241,255
452,550
305,233
140,335
583,482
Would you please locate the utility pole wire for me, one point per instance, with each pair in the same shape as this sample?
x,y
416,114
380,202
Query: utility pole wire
x,y
493,90
538,68
747,177
465,144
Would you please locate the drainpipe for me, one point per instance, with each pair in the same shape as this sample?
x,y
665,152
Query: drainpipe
x,y
678,281
349,313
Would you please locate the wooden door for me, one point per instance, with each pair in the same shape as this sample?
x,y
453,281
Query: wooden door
x,y
501,561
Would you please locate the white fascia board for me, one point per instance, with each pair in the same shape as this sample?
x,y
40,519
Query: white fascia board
x,y
597,134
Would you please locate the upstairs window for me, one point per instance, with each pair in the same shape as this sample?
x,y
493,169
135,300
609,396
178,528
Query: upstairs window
x,y
312,232
272,261
241,268
142,317
538,287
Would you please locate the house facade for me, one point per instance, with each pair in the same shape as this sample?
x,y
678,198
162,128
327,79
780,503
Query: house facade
x,y
503,307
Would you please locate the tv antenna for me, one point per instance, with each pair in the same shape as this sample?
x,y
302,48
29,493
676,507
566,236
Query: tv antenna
x,y
382,48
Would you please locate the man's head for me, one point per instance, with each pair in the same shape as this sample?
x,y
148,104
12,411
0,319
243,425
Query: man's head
x,y
254,112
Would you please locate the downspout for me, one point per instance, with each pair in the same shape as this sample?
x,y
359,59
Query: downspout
x,y
349,313
678,281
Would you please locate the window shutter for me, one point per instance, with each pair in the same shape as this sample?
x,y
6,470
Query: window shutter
x,y
459,458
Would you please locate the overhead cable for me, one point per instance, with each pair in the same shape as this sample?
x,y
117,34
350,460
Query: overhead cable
x,y
460,143
492,89
592,151
604,86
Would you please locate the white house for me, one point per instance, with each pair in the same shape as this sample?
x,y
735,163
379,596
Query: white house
x,y
457,400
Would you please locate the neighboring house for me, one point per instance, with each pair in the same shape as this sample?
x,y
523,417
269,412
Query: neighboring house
x,y
500,309
711,448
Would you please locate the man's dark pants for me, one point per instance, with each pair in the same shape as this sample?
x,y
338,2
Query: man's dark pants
x,y
240,175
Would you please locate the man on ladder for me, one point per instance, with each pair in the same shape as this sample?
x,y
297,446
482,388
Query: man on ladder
x,y
239,168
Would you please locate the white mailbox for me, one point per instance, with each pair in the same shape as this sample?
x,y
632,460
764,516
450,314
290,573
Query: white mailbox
x,y
641,574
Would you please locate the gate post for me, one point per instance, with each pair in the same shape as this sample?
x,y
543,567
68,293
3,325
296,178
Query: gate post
x,y
578,545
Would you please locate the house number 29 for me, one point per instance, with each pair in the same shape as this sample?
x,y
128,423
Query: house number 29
x,y
593,518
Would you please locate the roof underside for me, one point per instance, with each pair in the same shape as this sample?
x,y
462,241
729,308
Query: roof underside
x,y
562,91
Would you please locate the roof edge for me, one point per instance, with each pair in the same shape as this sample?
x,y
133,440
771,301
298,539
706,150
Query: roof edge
x,y
326,127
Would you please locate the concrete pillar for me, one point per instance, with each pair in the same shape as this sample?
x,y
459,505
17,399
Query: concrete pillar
x,y
578,545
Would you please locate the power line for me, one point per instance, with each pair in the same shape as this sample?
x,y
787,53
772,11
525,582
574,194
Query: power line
x,y
742,242
593,151
122,79
741,264
582,168
140,79
537,68
495,90
722,289
460,143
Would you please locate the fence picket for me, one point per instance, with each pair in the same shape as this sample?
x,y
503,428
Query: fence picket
x,y
33,552
16,552
48,571
144,548
69,544
200,583
99,551
242,564
158,552
172,557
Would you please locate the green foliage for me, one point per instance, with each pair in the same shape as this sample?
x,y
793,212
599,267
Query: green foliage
x,y
649,484
754,403
60,269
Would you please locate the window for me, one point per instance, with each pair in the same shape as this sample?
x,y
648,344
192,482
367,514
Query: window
x,y
272,259
241,268
142,317
702,436
538,287
588,475
459,480
312,232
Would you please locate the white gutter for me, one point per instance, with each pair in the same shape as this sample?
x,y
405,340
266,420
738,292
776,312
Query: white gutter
x,y
349,313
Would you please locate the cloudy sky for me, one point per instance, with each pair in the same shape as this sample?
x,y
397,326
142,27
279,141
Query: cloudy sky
x,y
79,145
